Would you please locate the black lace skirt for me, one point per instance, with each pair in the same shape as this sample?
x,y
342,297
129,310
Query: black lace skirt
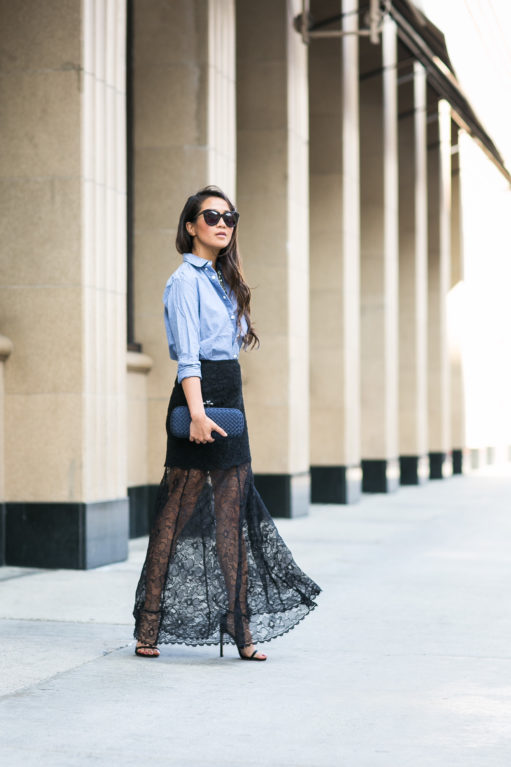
x,y
214,552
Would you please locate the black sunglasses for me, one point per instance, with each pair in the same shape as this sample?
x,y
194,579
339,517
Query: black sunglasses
x,y
212,217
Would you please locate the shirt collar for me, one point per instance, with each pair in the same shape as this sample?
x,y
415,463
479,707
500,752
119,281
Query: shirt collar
x,y
191,258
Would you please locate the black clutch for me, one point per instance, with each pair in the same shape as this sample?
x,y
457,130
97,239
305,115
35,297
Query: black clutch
x,y
230,419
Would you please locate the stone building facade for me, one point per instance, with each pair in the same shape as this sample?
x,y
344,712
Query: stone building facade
x,y
345,155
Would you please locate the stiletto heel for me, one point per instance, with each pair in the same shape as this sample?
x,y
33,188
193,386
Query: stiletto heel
x,y
225,630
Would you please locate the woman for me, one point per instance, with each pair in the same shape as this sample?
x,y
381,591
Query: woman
x,y
215,564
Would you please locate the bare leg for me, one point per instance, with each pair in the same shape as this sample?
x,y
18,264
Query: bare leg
x,y
184,488
228,486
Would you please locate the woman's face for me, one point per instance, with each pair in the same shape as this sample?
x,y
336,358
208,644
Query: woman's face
x,y
211,237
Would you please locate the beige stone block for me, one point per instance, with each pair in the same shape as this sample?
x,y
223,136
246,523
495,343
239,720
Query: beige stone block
x,y
327,425
326,146
260,37
269,439
170,32
324,78
262,164
268,304
326,267
163,180
5,352
326,378
48,251
155,260
267,371
43,460
327,319
177,95
163,373
40,36
262,234
161,378
325,203
136,428
44,324
373,276
40,132
156,438
262,104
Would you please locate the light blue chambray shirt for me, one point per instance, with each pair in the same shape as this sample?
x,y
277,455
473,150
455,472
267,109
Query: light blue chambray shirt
x,y
200,317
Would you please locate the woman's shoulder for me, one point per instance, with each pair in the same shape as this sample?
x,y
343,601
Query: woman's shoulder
x,y
185,274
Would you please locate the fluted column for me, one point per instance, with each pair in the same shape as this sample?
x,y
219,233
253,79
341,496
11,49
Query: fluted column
x,y
379,261
413,296
272,185
439,281
63,301
335,262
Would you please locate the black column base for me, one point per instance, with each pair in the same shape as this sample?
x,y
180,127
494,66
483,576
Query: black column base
x,y
2,534
77,536
336,484
142,500
285,495
440,465
459,460
380,476
414,469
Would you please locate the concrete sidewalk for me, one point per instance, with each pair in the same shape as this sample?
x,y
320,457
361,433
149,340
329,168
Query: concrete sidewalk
x,y
406,660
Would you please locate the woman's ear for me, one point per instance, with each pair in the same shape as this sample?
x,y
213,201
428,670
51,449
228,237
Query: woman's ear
x,y
190,228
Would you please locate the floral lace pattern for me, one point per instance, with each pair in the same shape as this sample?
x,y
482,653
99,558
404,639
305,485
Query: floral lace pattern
x,y
216,557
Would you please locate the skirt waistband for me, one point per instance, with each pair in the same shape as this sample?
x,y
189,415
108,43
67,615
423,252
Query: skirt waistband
x,y
226,363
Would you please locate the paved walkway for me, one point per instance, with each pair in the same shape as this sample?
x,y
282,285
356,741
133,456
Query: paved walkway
x,y
406,661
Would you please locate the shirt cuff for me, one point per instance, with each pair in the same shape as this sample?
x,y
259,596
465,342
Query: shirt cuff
x,y
187,370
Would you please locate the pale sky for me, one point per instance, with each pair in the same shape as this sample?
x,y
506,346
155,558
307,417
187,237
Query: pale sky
x,y
478,35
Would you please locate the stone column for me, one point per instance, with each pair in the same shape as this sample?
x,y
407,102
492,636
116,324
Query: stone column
x,y
413,265
455,316
334,262
184,138
273,200
63,303
439,276
379,261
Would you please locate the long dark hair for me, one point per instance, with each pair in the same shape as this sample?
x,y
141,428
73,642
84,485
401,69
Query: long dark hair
x,y
229,256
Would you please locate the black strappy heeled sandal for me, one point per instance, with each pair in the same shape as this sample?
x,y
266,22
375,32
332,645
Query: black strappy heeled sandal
x,y
225,630
147,654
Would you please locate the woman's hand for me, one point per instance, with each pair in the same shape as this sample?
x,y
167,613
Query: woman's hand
x,y
201,427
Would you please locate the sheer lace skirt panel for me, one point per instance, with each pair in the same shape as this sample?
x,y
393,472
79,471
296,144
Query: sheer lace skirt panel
x,y
215,559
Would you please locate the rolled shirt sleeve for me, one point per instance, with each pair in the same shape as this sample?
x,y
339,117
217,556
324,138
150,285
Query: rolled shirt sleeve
x,y
184,322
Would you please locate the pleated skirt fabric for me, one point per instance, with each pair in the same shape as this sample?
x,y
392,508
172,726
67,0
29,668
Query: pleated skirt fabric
x,y
214,554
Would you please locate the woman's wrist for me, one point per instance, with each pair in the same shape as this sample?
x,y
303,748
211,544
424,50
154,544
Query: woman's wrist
x,y
192,390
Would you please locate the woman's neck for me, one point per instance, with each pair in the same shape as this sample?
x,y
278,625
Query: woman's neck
x,y
207,253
